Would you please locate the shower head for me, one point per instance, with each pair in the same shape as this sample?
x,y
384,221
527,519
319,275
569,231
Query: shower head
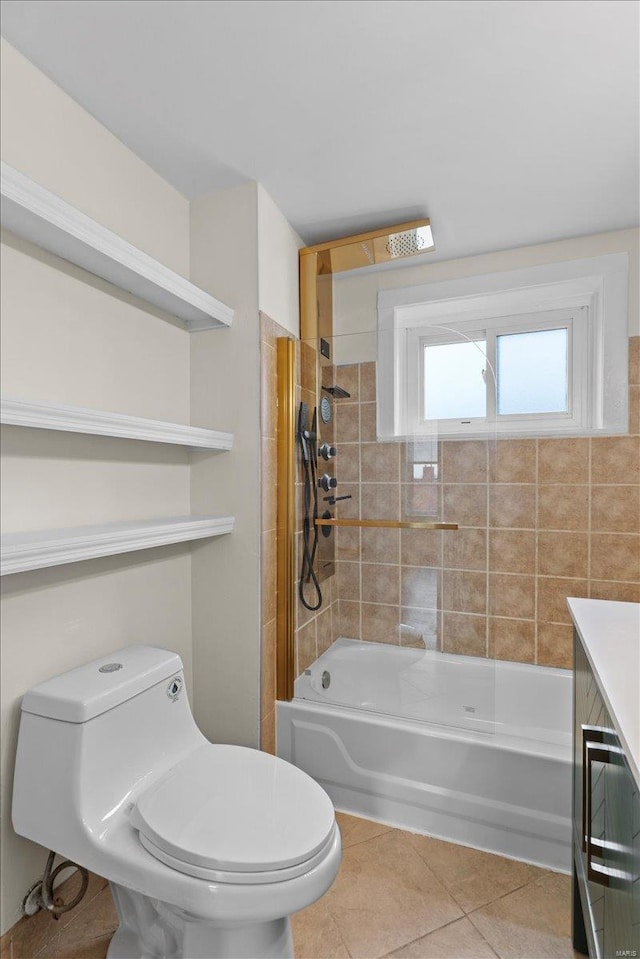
x,y
337,392
384,245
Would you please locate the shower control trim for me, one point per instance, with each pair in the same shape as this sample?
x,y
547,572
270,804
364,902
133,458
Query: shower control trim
x,y
327,482
326,451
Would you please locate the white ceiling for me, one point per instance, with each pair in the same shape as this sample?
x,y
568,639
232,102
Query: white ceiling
x,y
508,122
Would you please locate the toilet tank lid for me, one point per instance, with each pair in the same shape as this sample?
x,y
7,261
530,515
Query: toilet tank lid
x,y
86,692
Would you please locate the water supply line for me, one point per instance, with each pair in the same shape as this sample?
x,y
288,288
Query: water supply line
x,y
41,896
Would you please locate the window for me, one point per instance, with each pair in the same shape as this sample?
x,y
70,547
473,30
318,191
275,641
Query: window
x,y
520,354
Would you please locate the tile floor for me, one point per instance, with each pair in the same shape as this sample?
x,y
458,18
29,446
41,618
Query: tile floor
x,y
397,895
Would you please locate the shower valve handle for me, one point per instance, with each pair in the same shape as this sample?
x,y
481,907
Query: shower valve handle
x,y
327,482
327,452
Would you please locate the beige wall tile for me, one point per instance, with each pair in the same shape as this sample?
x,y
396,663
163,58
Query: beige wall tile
x,y
347,465
380,624
512,506
380,545
464,634
367,382
420,586
563,554
563,460
615,556
552,597
268,574
512,550
512,595
465,505
347,543
368,429
512,639
348,580
268,733
380,584
324,631
268,668
465,549
555,645
348,377
348,619
464,461
563,507
418,467
269,485
306,646
619,592
421,501
380,462
615,459
349,508
347,419
634,410
268,392
464,591
512,461
308,366
615,509
421,547
634,360
420,627
380,501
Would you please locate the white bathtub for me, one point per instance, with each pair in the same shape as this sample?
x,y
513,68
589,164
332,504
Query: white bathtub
x,y
461,748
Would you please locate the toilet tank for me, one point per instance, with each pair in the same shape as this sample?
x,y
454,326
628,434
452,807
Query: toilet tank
x,y
93,737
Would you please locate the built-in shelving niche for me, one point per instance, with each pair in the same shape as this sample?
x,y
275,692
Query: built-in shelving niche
x,y
55,547
37,215
79,419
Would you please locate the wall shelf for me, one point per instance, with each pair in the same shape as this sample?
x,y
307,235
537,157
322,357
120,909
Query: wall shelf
x,y
78,419
32,212
55,547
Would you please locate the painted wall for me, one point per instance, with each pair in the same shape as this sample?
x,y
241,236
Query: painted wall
x,y
278,246
225,390
355,295
69,337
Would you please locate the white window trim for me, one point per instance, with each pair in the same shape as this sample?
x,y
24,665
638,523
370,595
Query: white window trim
x,y
597,285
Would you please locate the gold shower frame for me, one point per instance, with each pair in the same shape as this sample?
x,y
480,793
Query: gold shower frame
x,y
317,264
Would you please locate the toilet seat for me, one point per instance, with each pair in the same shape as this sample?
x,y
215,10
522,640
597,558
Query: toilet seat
x,y
237,815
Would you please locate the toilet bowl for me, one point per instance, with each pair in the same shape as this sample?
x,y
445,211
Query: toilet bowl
x,y
208,848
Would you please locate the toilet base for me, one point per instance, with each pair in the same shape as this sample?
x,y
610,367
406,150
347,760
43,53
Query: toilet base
x,y
150,929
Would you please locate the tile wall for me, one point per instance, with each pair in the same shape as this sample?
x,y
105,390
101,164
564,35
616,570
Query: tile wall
x,y
314,632
540,520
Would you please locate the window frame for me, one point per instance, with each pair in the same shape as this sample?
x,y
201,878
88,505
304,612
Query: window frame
x,y
579,290
574,321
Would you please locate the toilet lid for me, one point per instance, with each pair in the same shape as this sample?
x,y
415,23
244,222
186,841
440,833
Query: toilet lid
x,y
237,810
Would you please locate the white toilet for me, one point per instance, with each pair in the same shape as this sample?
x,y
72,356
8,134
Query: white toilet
x,y
208,848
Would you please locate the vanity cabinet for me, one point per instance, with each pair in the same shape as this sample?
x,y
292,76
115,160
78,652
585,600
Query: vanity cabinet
x,y
606,820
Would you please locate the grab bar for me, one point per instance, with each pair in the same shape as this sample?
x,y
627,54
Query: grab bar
x,y
384,524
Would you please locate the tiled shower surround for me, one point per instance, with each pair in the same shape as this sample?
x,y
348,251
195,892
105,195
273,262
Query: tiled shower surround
x,y
540,520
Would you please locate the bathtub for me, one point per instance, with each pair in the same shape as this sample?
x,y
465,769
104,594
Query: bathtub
x,y
469,750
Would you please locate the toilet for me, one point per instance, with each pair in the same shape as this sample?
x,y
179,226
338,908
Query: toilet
x,y
208,848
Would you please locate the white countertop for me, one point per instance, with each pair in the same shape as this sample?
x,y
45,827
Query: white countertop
x,y
610,633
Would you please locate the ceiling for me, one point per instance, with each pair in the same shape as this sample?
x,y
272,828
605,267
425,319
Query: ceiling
x,y
508,122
